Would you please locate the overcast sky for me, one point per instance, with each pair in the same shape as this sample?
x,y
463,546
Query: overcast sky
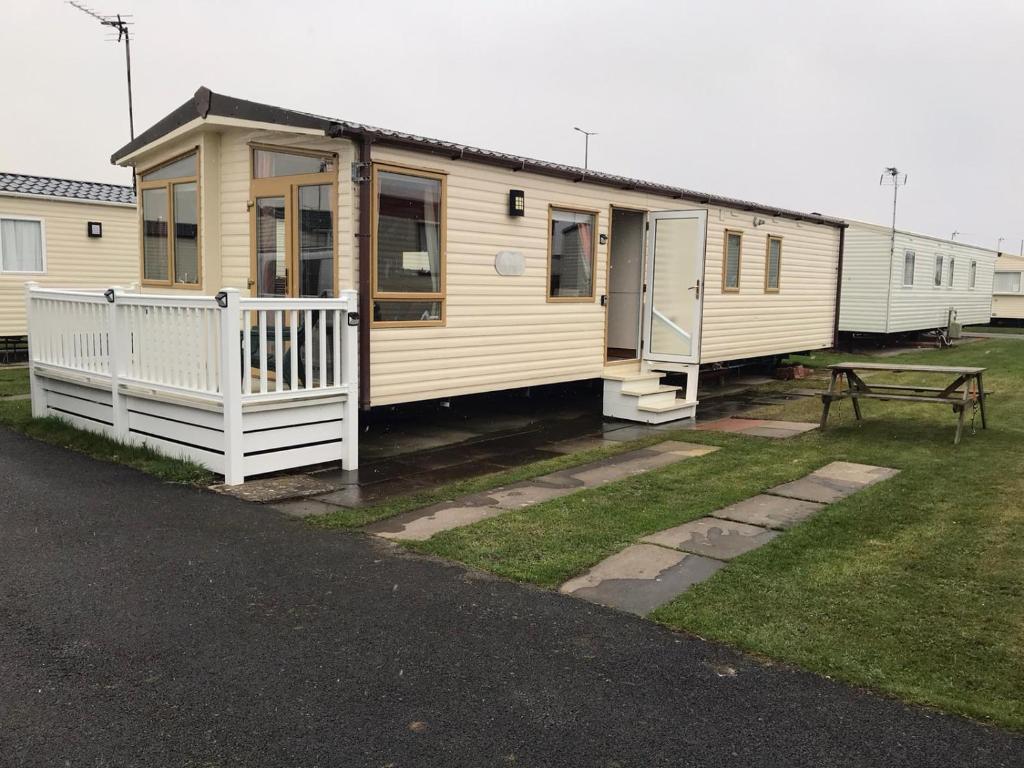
x,y
797,104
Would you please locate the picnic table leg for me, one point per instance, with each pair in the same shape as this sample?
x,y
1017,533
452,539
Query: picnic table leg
x,y
854,389
981,400
826,401
959,424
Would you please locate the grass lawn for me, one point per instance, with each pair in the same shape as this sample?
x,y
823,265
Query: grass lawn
x,y
912,587
1012,329
17,415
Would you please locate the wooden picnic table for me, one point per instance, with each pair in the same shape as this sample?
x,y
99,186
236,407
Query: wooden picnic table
x,y
966,389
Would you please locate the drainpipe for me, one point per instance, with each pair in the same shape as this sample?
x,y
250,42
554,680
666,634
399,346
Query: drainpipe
x,y
839,285
365,300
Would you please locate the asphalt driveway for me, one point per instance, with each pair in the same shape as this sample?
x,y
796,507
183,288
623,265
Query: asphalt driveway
x,y
144,624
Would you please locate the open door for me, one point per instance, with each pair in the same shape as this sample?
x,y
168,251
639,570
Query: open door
x,y
675,270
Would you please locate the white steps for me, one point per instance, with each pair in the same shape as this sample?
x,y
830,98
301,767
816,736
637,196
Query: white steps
x,y
637,394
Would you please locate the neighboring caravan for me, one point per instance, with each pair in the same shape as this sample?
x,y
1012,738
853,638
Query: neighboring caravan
x,y
1008,288
911,282
58,232
479,271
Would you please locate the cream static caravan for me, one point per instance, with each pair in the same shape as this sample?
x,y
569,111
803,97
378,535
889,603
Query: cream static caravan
x,y
911,282
58,232
1008,288
479,271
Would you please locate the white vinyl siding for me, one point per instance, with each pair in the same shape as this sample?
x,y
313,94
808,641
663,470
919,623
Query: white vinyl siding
x,y
70,257
22,245
876,299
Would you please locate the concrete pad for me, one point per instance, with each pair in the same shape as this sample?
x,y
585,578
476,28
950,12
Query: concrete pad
x,y
823,490
304,508
864,474
628,432
641,577
711,537
679,448
769,511
276,488
423,527
525,495
794,426
729,424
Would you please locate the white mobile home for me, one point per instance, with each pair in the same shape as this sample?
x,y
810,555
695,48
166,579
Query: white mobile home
x,y
59,232
474,271
1008,288
910,282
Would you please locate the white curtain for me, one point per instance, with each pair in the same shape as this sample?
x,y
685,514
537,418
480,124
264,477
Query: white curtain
x,y
21,245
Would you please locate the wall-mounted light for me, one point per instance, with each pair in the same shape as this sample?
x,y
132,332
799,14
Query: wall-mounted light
x,y
759,222
602,238
516,202
94,229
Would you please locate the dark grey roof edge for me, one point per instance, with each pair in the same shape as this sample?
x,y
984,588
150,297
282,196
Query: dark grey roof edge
x,y
28,185
206,102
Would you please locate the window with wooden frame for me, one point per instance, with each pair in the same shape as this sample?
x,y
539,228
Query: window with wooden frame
x,y
773,264
408,255
572,244
292,224
909,263
732,256
169,207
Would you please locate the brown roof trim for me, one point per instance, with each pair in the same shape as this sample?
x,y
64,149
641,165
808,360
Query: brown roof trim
x,y
205,102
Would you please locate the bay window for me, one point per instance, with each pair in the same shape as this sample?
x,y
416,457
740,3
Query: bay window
x,y
169,205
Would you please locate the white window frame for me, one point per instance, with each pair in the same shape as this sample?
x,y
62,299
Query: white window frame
x,y
951,270
913,267
939,269
42,237
972,276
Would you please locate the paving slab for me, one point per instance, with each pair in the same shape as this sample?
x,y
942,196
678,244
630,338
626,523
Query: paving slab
x,y
626,432
578,444
421,524
775,433
768,511
712,537
833,482
275,488
641,577
729,424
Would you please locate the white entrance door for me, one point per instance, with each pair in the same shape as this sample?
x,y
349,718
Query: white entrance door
x,y
675,270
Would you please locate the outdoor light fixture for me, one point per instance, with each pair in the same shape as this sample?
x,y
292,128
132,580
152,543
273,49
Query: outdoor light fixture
x,y
516,202
602,238
94,229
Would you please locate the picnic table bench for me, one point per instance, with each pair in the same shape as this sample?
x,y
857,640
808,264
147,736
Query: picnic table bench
x,y
966,389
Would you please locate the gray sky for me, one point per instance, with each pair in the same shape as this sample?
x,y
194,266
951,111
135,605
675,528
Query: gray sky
x,y
797,104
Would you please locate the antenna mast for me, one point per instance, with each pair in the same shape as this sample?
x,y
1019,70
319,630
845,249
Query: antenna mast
x,y
896,179
117,22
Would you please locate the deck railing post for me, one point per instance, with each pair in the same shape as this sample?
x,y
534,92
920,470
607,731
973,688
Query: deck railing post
x,y
231,384
350,377
115,363
37,393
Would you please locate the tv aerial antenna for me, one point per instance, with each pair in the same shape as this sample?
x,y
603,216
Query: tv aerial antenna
x,y
119,23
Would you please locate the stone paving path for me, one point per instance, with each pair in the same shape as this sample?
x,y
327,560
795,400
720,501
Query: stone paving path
x,y
663,565
757,427
421,524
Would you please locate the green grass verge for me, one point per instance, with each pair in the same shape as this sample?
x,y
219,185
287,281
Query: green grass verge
x,y
17,415
13,381
911,587
1010,329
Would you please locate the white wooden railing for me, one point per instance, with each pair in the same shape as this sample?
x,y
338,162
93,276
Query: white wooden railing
x,y
222,352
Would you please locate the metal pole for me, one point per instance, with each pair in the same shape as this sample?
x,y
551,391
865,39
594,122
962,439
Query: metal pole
x,y
586,151
128,65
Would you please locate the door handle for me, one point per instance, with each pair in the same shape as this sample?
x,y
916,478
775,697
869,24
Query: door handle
x,y
695,288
